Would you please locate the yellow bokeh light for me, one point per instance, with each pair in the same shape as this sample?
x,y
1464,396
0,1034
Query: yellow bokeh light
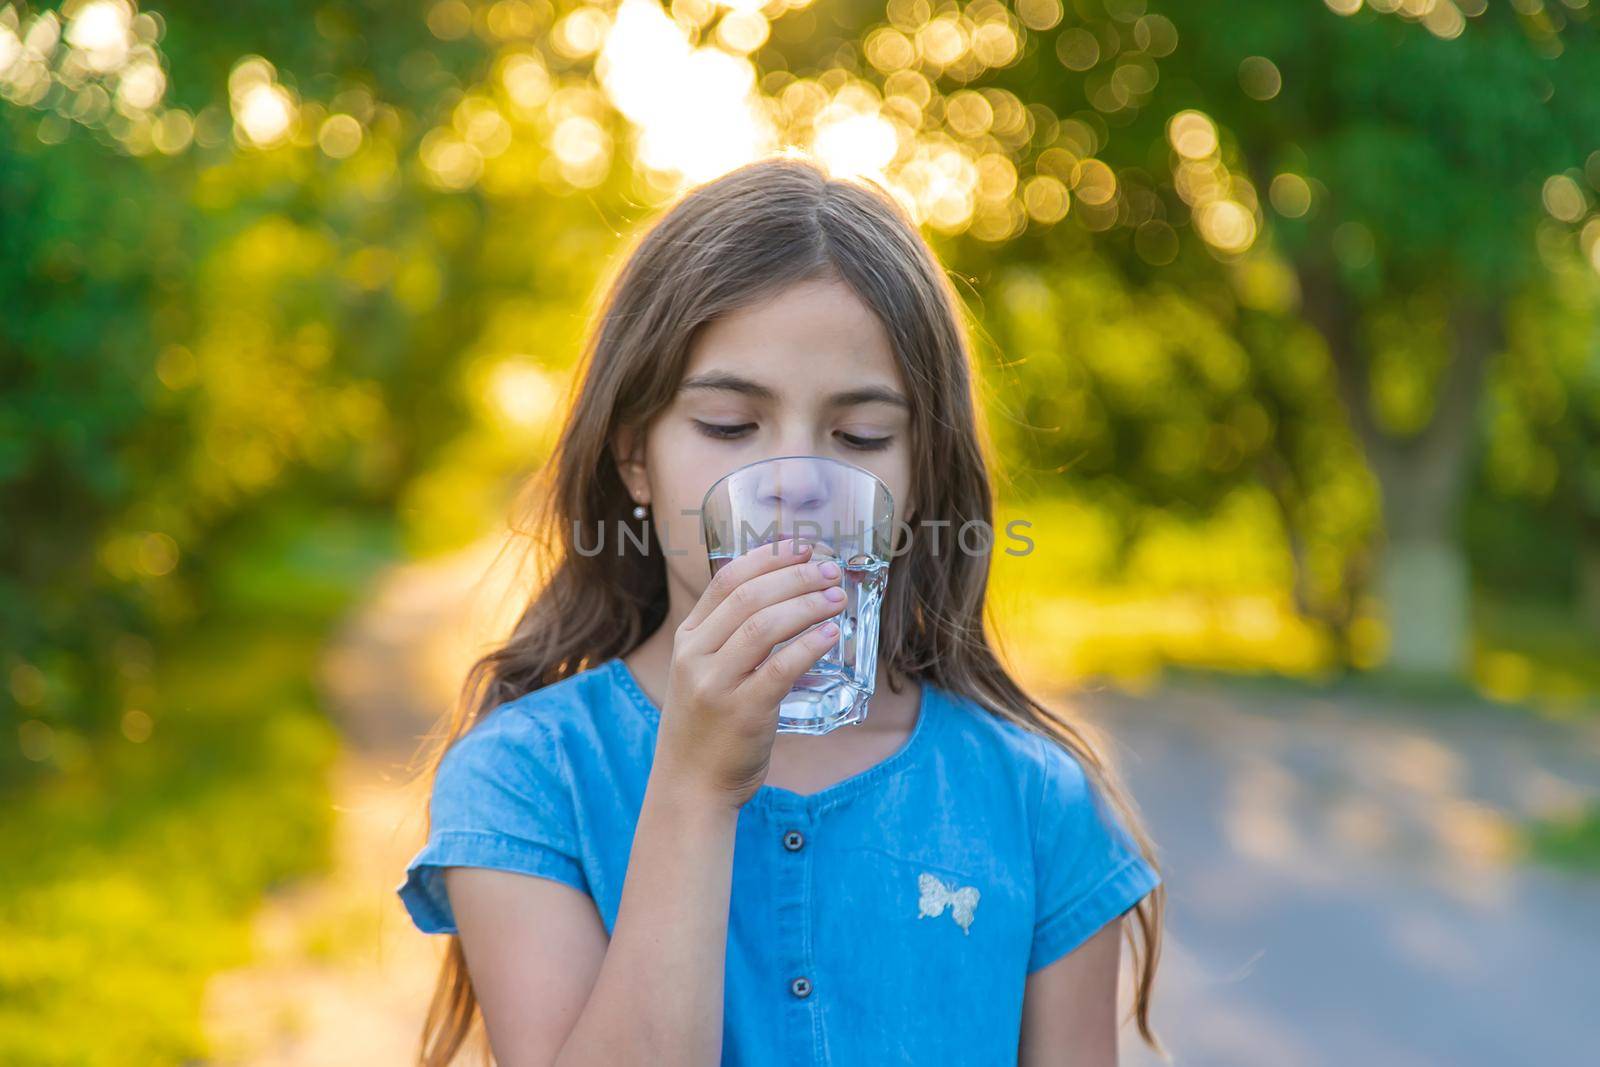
x,y
1198,181
942,41
450,20
520,394
581,33
1564,199
908,15
137,725
1155,35
250,71
693,13
157,555
915,87
1106,93
1039,14
1013,122
1259,77
511,19
1057,162
1046,199
940,179
102,32
173,132
36,740
1078,137
1444,20
10,49
1094,182
968,113
1192,134
579,140
340,136
997,177
1589,242
264,113
1136,77
743,32
452,162
854,143
1290,195
478,121
141,85
43,34
696,110
92,103
1226,225
526,80
694,107
995,44
890,50
1078,49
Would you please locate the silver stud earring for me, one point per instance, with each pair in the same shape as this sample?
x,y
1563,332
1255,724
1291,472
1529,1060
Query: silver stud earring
x,y
639,511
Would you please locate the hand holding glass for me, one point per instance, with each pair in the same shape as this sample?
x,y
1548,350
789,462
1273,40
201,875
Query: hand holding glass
x,y
844,512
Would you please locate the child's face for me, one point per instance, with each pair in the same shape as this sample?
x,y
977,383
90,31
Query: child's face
x,y
760,383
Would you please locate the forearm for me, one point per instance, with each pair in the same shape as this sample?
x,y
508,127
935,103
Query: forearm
x,y
658,996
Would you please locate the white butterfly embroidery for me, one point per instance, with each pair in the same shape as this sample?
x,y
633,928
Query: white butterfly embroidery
x,y
935,895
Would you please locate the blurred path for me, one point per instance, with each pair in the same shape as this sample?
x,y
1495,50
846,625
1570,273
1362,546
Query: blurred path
x,y
1343,882
341,978
1344,886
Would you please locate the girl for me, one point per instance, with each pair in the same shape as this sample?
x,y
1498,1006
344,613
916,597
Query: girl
x,y
633,865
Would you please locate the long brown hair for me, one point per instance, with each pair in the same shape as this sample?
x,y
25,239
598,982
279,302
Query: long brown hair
x,y
724,245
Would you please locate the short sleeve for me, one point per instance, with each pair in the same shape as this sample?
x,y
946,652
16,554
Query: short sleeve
x,y
501,799
1089,868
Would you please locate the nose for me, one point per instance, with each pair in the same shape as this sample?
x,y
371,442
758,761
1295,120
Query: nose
x,y
795,487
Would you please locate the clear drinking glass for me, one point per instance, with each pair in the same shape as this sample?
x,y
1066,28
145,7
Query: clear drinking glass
x,y
845,513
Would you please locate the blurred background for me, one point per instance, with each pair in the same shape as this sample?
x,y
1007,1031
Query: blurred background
x,y
1288,322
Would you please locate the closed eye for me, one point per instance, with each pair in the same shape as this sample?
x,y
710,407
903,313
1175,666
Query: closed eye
x,y
865,444
728,432
719,432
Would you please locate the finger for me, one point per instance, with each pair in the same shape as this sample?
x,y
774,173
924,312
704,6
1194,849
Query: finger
x,y
758,560
761,592
758,635
768,683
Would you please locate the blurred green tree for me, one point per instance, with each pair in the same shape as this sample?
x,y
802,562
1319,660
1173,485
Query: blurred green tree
x,y
313,253
1380,171
239,312
1402,167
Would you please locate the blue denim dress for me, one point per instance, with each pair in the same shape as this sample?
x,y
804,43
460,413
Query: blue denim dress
x,y
892,917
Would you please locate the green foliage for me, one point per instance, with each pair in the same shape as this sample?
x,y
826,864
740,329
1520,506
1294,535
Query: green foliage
x,y
218,342
133,878
1437,147
1572,843
75,368
1093,373
1529,651
1542,448
136,866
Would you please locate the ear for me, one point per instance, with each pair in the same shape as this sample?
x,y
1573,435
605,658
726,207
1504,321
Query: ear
x,y
627,445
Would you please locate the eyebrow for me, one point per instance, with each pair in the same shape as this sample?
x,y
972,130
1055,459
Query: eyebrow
x,y
733,383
